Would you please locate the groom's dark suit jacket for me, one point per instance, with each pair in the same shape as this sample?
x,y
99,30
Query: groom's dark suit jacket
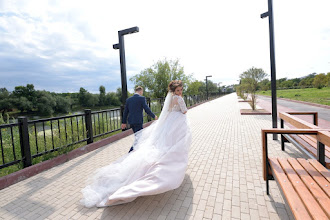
x,y
134,110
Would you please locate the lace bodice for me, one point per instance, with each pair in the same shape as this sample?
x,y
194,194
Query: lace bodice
x,y
178,104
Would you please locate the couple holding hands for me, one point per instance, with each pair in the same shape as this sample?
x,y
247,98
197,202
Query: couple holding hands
x,y
156,162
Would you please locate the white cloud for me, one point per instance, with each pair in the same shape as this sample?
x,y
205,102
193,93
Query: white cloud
x,y
73,39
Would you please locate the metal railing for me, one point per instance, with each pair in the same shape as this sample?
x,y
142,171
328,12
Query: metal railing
x,y
25,140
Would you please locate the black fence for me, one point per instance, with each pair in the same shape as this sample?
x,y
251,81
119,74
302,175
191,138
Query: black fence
x,y
26,140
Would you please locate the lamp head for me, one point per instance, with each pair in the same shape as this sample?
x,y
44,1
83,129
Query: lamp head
x,y
129,31
264,15
115,46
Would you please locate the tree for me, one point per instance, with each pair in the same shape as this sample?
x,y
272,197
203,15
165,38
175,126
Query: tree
x,y
82,96
202,88
102,96
328,79
156,78
27,95
62,104
119,95
27,91
46,103
307,81
6,101
87,99
112,99
239,90
249,81
320,81
193,87
265,85
23,104
91,100
280,81
211,86
287,84
296,81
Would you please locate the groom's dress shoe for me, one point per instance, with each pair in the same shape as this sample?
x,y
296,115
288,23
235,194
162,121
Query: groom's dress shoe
x,y
130,150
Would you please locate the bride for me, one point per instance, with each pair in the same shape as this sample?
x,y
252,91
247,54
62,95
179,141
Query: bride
x,y
157,164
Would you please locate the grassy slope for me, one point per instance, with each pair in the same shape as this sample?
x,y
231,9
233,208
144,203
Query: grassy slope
x,y
320,96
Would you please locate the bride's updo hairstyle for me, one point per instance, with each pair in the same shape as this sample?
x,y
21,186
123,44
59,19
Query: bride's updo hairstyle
x,y
174,84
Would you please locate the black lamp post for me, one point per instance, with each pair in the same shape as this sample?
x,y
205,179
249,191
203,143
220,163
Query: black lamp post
x,y
121,48
269,14
207,89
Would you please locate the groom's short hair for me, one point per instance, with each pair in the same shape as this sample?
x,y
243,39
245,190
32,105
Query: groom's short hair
x,y
138,88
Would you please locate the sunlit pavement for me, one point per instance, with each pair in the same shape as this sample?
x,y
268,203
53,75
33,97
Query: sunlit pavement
x,y
223,179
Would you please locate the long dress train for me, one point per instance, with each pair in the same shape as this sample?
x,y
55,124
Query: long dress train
x,y
157,164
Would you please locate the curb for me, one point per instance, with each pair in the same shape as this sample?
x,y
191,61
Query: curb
x,y
302,102
254,113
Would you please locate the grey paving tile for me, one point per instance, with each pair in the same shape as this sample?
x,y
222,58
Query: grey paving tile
x,y
223,178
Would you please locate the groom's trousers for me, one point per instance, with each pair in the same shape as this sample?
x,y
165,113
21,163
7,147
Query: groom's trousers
x,y
136,128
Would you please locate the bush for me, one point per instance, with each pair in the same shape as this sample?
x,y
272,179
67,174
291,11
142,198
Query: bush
x,y
320,81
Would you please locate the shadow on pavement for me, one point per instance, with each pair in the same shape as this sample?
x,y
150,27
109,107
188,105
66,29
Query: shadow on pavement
x,y
163,204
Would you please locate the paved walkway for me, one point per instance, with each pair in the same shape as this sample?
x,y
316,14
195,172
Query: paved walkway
x,y
223,179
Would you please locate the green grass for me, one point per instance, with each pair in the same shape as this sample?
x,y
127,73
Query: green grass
x,y
314,95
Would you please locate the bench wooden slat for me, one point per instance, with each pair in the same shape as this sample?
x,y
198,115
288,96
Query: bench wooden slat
x,y
297,122
308,142
291,131
313,143
317,176
304,144
324,137
301,113
308,139
307,198
298,209
321,169
312,148
313,187
280,131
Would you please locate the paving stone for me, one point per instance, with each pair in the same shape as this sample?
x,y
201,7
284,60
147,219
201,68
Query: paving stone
x,y
223,178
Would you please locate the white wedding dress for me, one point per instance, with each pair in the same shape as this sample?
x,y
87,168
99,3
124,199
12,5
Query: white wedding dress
x,y
157,164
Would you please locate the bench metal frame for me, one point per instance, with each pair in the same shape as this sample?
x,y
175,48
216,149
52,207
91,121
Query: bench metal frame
x,y
320,146
267,175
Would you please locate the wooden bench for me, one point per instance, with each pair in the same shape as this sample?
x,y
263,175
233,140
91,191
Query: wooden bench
x,y
304,184
306,143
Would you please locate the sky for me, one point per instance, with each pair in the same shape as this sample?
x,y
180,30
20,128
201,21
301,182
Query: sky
x,y
62,45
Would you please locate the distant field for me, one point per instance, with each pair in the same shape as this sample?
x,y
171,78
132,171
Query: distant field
x,y
320,96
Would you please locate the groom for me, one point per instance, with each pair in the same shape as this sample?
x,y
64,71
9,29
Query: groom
x,y
134,110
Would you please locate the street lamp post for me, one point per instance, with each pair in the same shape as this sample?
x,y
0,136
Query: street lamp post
x,y
121,48
207,89
269,14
